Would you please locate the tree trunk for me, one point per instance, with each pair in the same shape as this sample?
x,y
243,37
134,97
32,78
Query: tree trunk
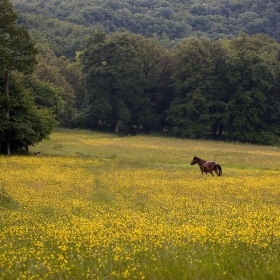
x,y
8,111
220,130
214,131
116,129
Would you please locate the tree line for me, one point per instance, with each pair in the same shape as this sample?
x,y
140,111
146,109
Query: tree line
x,y
226,89
199,88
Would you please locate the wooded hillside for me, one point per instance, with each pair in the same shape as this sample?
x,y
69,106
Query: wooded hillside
x,y
65,25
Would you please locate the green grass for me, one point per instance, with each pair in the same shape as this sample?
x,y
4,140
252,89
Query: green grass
x,y
157,151
104,206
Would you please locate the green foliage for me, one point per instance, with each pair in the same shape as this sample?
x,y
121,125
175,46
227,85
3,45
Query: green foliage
x,y
46,95
110,66
27,124
53,70
226,88
16,47
154,68
127,81
67,24
17,54
199,88
251,75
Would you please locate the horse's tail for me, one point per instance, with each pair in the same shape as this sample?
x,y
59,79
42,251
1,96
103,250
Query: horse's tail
x,y
218,169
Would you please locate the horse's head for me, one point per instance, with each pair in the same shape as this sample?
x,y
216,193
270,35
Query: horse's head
x,y
194,161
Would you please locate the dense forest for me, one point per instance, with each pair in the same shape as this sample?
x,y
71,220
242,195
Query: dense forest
x,y
65,25
196,69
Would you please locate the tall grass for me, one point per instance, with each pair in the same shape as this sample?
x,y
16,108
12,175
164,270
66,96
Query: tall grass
x,y
102,206
157,151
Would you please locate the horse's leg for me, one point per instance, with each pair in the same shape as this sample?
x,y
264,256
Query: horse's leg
x,y
201,170
216,170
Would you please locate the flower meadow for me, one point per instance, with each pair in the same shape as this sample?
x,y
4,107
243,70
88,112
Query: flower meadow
x,y
101,206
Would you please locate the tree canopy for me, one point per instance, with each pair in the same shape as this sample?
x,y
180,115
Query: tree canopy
x,y
22,124
68,24
127,81
226,89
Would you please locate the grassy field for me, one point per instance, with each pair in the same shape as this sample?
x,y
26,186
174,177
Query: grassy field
x,y
102,206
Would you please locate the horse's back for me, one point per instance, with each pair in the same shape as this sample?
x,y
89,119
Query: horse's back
x,y
210,163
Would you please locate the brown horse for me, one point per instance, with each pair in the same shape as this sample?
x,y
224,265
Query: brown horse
x,y
207,166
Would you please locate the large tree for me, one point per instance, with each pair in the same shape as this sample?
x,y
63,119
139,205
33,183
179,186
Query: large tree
x,y
112,78
17,55
17,49
251,72
27,124
51,69
127,80
155,64
199,88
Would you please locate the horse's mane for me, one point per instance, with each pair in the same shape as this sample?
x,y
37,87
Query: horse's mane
x,y
202,159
